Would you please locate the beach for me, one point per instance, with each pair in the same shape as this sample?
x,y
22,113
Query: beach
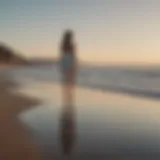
x,y
14,136
99,124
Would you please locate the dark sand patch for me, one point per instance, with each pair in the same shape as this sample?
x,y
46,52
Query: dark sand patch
x,y
15,141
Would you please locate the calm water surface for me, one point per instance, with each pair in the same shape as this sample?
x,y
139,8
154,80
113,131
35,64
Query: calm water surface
x,y
98,125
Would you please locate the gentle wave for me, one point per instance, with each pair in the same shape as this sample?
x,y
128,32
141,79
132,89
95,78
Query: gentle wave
x,y
135,81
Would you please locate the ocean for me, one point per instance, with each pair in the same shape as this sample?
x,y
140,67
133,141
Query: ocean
x,y
138,81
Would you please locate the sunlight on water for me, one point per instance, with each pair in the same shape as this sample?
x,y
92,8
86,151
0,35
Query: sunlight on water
x,y
104,122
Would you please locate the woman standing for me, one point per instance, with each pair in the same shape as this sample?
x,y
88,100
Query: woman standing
x,y
68,66
68,70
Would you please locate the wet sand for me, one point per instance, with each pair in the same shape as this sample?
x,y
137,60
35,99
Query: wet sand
x,y
99,124
15,141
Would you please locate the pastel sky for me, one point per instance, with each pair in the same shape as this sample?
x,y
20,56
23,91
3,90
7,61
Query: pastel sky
x,y
107,31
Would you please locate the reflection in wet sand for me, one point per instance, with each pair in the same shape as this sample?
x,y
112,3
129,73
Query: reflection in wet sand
x,y
108,125
67,130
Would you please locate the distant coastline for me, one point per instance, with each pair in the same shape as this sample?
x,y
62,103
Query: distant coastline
x,y
9,57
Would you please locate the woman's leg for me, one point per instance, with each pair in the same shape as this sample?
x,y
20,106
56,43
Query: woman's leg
x,y
68,87
69,80
71,85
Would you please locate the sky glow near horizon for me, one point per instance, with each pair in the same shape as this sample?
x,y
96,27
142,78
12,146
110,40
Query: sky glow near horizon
x,y
106,31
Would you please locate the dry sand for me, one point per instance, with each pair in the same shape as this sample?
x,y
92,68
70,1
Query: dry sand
x,y
15,141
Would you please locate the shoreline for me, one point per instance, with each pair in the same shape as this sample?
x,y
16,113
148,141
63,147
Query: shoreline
x,y
14,135
114,114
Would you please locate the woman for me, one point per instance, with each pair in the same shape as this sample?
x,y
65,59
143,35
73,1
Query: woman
x,y
68,66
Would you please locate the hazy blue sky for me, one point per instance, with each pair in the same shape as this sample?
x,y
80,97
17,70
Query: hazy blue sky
x,y
106,30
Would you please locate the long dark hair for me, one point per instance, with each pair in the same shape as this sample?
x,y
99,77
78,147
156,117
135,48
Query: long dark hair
x,y
67,41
